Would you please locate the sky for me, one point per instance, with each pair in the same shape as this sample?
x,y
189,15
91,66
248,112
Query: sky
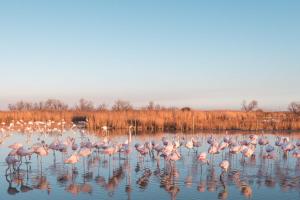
x,y
203,54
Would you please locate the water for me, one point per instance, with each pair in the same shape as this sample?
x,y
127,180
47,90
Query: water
x,y
99,177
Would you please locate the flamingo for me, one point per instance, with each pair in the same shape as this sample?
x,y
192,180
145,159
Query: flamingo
x,y
105,129
263,141
213,149
15,146
235,149
11,162
73,159
174,156
21,152
223,145
287,147
296,154
189,145
40,151
196,144
158,148
248,152
84,152
269,148
203,158
211,140
224,165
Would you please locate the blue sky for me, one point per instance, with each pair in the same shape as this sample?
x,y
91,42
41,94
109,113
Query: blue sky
x,y
204,54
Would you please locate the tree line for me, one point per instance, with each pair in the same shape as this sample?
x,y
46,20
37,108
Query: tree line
x,y
119,105
82,105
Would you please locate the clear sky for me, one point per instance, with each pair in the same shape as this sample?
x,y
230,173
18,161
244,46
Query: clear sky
x,y
204,54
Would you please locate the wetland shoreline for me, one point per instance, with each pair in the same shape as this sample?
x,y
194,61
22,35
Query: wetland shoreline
x,y
165,120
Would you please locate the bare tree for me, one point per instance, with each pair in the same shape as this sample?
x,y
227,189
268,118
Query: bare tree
x,y
294,107
54,104
39,105
121,105
151,105
85,105
50,104
102,107
251,106
21,106
12,107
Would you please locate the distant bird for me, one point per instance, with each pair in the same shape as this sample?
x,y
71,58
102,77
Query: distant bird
x,y
174,156
15,146
211,140
223,145
189,145
263,141
287,147
213,149
40,151
296,154
22,152
224,165
248,152
203,158
84,152
73,159
269,148
105,129
11,161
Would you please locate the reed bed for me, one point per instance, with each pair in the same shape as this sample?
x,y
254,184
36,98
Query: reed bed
x,y
167,120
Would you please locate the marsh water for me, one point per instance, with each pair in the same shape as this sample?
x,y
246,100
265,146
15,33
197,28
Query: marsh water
x,y
132,177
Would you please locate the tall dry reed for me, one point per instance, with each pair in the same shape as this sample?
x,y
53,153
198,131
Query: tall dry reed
x,y
167,120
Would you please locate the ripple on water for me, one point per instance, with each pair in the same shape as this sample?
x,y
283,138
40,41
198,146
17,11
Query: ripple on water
x,y
117,177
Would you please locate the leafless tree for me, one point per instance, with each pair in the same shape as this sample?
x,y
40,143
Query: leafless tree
x,y
102,107
152,106
50,104
121,105
54,104
21,106
251,106
12,107
39,105
85,105
294,107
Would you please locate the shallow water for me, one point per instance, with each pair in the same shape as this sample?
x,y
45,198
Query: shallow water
x,y
100,177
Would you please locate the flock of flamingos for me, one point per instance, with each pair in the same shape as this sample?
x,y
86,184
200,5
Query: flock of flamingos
x,y
168,149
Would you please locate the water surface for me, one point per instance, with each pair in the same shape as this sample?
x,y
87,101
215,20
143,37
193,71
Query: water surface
x,y
122,177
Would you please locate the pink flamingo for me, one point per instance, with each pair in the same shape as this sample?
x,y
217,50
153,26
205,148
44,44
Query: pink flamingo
x,y
212,150
15,146
73,159
21,152
189,145
84,152
203,159
224,165
40,151
174,156
11,162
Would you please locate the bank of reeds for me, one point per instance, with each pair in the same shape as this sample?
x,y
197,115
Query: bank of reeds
x,y
167,120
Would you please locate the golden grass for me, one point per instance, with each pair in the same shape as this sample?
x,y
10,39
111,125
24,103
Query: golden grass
x,y
164,120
